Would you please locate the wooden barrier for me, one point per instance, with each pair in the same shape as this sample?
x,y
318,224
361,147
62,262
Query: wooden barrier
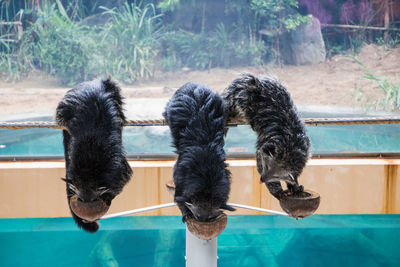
x,y
346,186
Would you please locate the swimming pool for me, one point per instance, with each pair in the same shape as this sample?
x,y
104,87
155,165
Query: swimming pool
x,y
256,240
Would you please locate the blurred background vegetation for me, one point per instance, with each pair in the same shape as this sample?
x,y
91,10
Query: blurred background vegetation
x,y
134,40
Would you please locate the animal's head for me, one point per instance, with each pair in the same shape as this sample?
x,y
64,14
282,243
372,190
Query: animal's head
x,y
283,158
91,186
96,175
204,209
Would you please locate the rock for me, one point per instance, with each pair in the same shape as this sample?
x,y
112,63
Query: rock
x,y
304,45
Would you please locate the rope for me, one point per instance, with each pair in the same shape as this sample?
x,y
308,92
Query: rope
x,y
161,122
30,124
352,121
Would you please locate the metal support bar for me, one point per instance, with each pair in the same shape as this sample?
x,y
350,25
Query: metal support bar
x,y
258,209
199,252
167,205
118,214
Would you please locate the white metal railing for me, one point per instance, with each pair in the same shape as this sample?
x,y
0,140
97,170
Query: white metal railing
x,y
199,252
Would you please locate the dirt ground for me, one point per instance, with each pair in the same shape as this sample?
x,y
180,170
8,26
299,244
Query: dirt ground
x,y
329,83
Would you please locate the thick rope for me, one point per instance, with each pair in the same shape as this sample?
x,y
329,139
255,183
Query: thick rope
x,y
162,122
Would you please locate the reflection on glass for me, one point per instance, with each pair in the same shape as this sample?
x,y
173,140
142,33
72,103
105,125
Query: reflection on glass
x,y
337,58
155,141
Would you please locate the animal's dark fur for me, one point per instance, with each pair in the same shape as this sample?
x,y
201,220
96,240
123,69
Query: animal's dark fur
x,y
282,144
95,163
196,117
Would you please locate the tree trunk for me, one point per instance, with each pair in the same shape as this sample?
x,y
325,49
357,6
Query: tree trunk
x,y
386,19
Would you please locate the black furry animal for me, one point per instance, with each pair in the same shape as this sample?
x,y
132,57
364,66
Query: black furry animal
x,y
282,144
196,117
95,163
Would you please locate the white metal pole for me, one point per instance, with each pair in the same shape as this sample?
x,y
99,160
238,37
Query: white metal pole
x,y
174,204
199,252
257,209
138,210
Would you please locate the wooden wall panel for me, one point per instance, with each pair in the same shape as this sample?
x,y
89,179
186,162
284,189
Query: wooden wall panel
x,y
396,192
165,197
346,187
354,189
392,186
244,188
141,191
32,193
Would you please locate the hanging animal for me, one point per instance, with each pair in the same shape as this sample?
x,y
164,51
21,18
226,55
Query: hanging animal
x,y
96,167
196,117
282,147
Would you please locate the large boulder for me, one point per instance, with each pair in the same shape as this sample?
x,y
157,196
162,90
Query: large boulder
x,y
304,45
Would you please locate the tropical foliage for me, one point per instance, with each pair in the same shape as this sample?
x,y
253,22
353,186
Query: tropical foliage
x,y
135,39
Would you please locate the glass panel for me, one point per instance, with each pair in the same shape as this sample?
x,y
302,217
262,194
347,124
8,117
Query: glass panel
x,y
154,141
336,59
320,240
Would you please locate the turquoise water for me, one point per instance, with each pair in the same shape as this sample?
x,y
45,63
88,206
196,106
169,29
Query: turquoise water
x,y
258,240
156,140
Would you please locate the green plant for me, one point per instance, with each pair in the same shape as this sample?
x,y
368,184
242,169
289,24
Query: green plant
x,y
380,41
357,42
130,42
53,43
188,49
279,14
390,89
272,16
195,50
249,54
219,48
336,49
58,45
222,45
168,63
393,39
168,5
14,59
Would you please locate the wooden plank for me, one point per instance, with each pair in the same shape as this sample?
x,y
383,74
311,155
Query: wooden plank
x,y
35,190
140,192
347,189
165,197
32,193
244,189
391,200
396,193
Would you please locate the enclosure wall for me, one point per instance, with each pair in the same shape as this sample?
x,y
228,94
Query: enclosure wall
x,y
346,186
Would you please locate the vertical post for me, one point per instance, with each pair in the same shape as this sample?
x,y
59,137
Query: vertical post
x,y
386,19
199,252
